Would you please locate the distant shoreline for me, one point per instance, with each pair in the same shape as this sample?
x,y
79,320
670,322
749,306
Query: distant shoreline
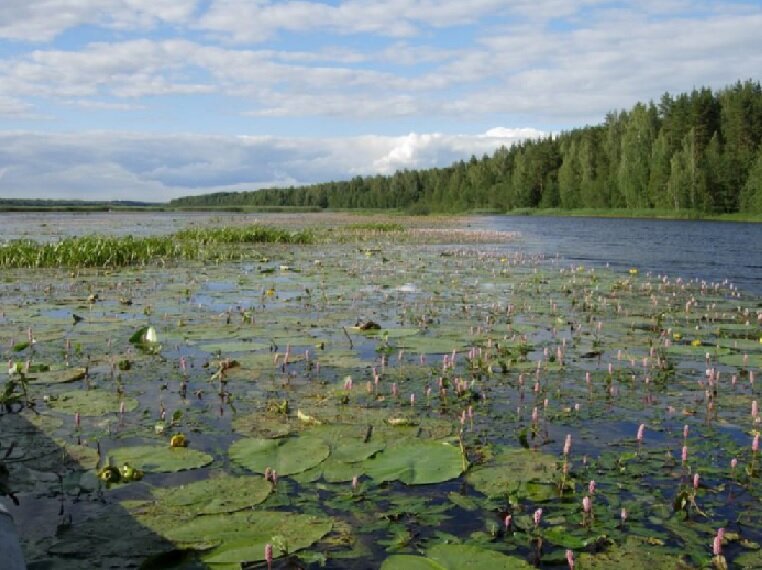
x,y
642,213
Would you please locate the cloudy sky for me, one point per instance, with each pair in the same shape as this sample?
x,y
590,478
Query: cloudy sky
x,y
153,99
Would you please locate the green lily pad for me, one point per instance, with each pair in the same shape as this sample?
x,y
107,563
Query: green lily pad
x,y
286,456
92,402
455,557
159,459
61,376
512,471
242,536
416,462
221,494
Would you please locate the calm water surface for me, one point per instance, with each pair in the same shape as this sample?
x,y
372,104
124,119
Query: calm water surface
x,y
705,250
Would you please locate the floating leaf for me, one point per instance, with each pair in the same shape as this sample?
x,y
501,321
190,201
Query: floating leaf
x,y
159,459
221,494
286,456
416,462
92,402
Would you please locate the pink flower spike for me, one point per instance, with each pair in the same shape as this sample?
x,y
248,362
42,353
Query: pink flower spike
x,y
269,556
695,481
755,444
586,504
733,464
537,517
685,454
507,522
567,444
754,409
685,431
641,429
623,515
591,487
570,558
717,546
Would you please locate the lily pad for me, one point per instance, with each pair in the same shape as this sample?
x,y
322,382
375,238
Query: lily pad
x,y
286,456
242,536
416,462
61,376
159,459
512,471
92,402
455,557
221,494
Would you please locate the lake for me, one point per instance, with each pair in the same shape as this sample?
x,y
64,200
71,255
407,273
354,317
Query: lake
x,y
704,250
431,392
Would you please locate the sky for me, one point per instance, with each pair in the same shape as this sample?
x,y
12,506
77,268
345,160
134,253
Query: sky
x,y
154,99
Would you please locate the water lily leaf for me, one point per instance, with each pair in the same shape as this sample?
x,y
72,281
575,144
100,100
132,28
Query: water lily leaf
x,y
512,471
221,494
61,376
234,346
92,402
416,462
455,557
409,562
159,459
633,555
243,536
286,456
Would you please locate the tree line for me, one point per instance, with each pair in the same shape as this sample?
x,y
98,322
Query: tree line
x,y
699,151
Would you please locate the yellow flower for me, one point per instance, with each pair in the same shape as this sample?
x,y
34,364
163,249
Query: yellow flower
x,y
178,441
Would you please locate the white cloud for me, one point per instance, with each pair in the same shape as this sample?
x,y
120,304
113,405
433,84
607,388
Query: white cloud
x,y
43,20
259,20
110,166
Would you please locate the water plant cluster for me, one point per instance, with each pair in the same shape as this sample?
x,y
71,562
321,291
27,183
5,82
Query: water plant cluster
x,y
409,398
110,251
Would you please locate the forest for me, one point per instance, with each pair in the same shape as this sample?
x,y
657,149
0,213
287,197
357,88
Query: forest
x,y
699,151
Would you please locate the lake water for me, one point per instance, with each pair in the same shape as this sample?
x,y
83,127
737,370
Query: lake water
x,y
704,250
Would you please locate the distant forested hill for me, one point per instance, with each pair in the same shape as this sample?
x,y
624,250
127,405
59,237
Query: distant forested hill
x,y
698,151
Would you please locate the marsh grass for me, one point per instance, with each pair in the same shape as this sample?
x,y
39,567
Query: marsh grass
x,y
109,251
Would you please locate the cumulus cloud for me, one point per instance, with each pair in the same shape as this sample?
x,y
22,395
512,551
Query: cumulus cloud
x,y
122,166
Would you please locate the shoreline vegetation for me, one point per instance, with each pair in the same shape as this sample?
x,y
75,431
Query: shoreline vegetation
x,y
643,213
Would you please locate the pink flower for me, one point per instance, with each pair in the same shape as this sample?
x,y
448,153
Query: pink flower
x,y
591,487
733,464
641,429
695,481
570,558
567,444
754,409
269,556
507,522
685,454
586,505
623,515
717,545
755,444
537,517
685,431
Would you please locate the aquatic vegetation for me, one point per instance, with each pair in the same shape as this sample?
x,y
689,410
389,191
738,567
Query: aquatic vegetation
x,y
505,409
112,252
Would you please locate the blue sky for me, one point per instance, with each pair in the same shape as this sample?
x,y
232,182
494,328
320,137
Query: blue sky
x,y
152,99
